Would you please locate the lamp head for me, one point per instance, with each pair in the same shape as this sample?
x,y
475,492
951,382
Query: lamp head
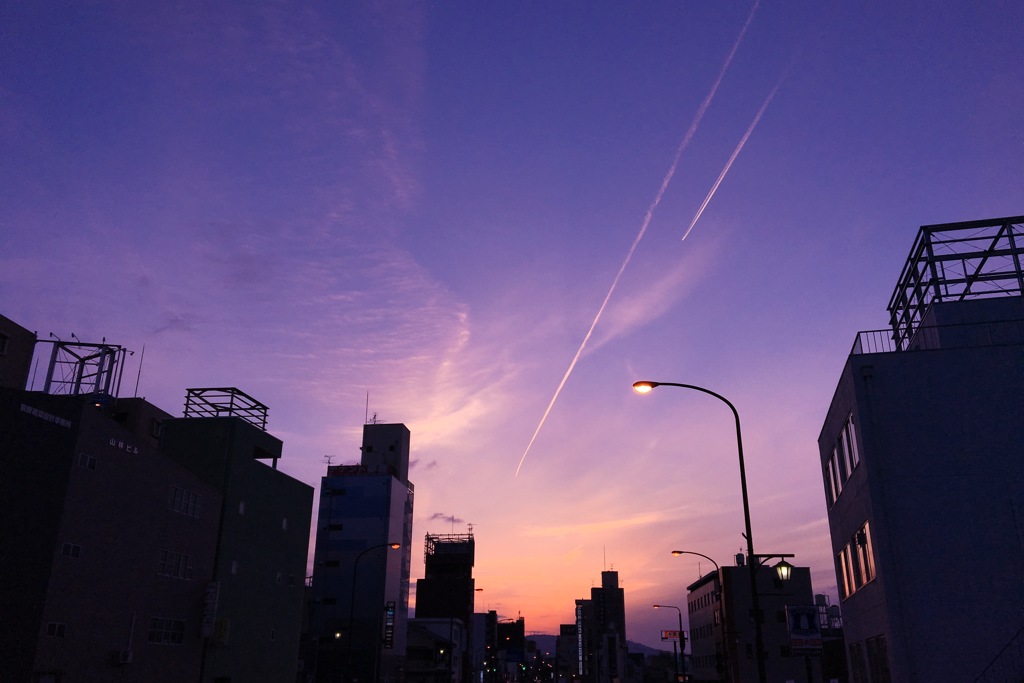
x,y
394,546
784,570
644,386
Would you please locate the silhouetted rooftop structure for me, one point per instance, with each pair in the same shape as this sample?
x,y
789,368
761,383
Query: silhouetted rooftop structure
x,y
953,262
225,402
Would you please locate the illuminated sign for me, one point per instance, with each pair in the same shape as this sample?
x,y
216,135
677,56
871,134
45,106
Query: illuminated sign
x,y
389,624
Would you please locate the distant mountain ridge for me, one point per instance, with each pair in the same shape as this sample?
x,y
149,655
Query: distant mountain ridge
x,y
546,643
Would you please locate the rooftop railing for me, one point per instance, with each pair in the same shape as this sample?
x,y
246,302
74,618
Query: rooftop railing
x,y
966,335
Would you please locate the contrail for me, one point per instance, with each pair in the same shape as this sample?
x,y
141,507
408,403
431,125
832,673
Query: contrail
x,y
735,153
643,226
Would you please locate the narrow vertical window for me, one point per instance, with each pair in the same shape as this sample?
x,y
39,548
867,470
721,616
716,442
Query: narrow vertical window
x,y
851,435
830,491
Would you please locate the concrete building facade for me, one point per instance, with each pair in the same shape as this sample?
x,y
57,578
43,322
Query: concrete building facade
x,y
115,537
922,455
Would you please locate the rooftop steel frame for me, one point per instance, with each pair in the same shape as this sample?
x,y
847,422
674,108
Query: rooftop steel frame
x,y
953,262
225,402
432,541
82,368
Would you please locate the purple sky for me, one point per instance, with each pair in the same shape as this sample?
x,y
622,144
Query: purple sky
x,y
429,203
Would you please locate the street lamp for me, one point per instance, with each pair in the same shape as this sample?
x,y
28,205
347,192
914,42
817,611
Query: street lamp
x,y
681,665
352,602
677,553
644,387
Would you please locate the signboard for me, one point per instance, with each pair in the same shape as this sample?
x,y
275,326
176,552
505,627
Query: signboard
x,y
210,596
389,624
674,635
804,629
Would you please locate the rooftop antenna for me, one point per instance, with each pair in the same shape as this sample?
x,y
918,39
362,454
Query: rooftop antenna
x,y
329,458
142,357
366,413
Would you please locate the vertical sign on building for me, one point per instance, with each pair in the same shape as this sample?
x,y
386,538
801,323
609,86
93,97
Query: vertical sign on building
x,y
206,626
389,624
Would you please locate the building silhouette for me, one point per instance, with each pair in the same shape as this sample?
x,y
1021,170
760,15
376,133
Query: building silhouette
x,y
447,589
125,555
360,585
722,631
922,455
600,653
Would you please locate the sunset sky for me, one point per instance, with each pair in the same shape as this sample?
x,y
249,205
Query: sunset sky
x,y
417,211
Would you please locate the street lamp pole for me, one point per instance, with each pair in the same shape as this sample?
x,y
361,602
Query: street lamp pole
x,y
681,667
718,593
643,387
352,603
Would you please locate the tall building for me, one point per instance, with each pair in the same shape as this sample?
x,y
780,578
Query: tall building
x,y
921,454
360,588
601,632
447,589
115,548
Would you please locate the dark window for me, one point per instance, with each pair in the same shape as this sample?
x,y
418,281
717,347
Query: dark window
x,y
878,660
56,630
166,631
71,550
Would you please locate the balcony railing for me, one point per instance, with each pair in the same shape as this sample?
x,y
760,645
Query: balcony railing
x,y
966,335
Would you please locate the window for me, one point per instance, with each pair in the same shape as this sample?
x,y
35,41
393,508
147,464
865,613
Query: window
x,y
857,667
856,562
164,631
843,461
184,502
284,523
86,461
234,566
878,659
71,550
56,630
241,507
177,565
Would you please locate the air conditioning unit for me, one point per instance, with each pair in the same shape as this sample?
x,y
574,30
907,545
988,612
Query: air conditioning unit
x,y
124,657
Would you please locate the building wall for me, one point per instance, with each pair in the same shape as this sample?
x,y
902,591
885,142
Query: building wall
x,y
359,515
707,637
262,545
774,596
95,549
16,348
940,484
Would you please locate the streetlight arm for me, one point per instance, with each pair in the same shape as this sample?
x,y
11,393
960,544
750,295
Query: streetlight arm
x,y
645,386
691,552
